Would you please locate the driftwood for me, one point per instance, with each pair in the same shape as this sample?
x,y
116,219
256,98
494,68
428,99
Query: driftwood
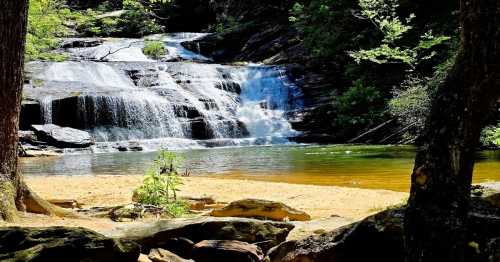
x,y
371,131
65,203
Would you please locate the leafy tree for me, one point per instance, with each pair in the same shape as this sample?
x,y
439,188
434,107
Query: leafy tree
x,y
45,24
438,207
317,22
383,15
136,20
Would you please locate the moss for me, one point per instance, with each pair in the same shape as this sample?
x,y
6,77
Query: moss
x,y
8,210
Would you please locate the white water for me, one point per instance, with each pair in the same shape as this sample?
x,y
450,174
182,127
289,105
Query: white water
x,y
167,104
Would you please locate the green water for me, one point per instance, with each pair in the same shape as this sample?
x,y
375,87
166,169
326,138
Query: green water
x,y
386,167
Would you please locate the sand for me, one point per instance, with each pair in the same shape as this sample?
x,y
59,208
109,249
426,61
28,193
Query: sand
x,y
321,202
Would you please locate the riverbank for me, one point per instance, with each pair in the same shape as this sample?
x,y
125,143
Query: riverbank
x,y
321,202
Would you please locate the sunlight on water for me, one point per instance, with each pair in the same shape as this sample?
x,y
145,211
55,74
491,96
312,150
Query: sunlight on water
x,y
385,167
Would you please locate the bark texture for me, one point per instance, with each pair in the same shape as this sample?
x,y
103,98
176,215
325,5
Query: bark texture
x,y
441,181
13,19
14,194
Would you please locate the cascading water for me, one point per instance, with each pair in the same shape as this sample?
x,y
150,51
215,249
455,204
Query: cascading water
x,y
127,96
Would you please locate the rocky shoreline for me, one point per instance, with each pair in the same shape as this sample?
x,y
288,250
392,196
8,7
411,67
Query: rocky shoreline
x,y
231,237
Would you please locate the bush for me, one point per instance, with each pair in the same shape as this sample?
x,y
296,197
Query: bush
x,y
410,105
490,137
160,185
154,49
359,105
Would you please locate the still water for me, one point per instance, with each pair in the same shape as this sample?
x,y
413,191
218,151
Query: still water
x,y
385,167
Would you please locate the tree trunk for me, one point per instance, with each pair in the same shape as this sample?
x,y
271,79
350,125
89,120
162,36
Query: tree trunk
x,y
13,19
436,216
14,194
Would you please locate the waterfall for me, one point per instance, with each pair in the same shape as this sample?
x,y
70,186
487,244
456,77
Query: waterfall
x,y
46,109
130,97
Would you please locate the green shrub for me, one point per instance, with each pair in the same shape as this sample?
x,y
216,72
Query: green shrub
x,y
359,105
154,49
410,104
490,136
160,185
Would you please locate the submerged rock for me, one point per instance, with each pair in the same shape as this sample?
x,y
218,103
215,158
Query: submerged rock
x,y
63,137
258,208
226,250
380,238
265,234
63,244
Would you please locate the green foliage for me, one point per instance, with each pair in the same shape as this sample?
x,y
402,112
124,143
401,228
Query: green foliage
x,y
160,185
411,101
317,23
411,104
136,20
358,105
383,15
227,24
490,136
154,49
45,24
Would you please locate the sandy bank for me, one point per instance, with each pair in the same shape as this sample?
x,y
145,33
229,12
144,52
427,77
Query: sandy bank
x,y
318,201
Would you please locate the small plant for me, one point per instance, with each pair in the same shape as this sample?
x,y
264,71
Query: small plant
x,y
490,137
154,49
161,184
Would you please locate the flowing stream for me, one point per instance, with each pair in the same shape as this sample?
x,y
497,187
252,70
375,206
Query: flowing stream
x,y
182,100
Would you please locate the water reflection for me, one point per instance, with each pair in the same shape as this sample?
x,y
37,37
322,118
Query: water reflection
x,y
385,167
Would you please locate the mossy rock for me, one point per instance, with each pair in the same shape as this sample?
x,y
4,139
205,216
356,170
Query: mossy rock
x,y
63,244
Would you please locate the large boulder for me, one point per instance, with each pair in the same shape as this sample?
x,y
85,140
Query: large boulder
x,y
226,250
258,208
380,238
63,244
63,137
158,234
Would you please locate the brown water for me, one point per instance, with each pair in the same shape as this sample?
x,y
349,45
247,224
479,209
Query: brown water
x,y
381,167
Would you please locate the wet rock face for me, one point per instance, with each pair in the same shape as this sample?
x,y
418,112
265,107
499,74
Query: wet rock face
x,y
63,137
30,115
63,244
380,238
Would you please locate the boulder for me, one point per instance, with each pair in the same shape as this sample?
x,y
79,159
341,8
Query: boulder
x,y
63,137
257,208
226,250
380,238
28,137
181,246
158,234
63,244
162,255
81,42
